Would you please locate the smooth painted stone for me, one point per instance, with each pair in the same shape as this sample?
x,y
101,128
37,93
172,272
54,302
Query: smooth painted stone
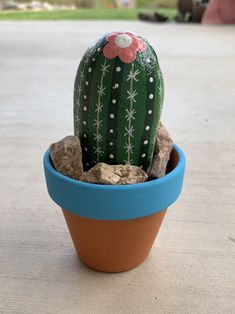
x,y
66,157
118,98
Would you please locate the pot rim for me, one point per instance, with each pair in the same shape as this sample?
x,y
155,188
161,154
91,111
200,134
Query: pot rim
x,y
154,182
115,202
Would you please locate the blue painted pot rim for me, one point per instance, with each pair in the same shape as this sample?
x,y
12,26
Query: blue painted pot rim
x,y
114,202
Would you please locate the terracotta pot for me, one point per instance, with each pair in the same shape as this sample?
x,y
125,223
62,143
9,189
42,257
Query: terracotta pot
x,y
113,245
113,227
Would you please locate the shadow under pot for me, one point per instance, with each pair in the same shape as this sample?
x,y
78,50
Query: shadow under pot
x,y
113,227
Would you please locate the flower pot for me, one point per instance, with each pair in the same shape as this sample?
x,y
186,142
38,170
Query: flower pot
x,y
113,227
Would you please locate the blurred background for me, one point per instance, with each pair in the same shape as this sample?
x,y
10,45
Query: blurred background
x,y
191,266
153,10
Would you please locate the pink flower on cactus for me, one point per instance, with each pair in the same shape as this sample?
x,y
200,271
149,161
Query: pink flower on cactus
x,y
125,45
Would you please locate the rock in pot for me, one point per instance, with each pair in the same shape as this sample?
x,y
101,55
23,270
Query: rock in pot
x,y
66,157
162,151
114,174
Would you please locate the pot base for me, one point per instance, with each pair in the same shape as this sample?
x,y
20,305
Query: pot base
x,y
113,245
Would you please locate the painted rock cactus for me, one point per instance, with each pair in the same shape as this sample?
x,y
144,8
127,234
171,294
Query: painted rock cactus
x,y
118,96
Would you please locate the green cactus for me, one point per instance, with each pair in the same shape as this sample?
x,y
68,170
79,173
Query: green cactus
x,y
118,101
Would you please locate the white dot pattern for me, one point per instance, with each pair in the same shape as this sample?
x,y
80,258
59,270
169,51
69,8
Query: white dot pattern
x,y
90,70
85,108
145,142
118,69
150,112
150,79
111,115
143,155
147,127
111,156
114,101
150,96
111,131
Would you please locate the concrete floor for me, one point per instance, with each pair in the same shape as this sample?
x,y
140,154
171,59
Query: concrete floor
x,y
191,268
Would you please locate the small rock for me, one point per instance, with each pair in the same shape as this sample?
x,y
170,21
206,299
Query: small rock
x,y
162,151
152,17
9,5
66,156
47,6
114,174
22,7
36,5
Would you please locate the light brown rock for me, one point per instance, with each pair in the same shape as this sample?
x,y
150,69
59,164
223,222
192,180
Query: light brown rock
x,y
162,151
114,174
66,156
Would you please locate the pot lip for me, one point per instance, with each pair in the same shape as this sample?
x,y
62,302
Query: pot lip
x,y
105,187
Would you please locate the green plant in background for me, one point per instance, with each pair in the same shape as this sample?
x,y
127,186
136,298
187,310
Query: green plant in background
x,y
156,3
118,97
